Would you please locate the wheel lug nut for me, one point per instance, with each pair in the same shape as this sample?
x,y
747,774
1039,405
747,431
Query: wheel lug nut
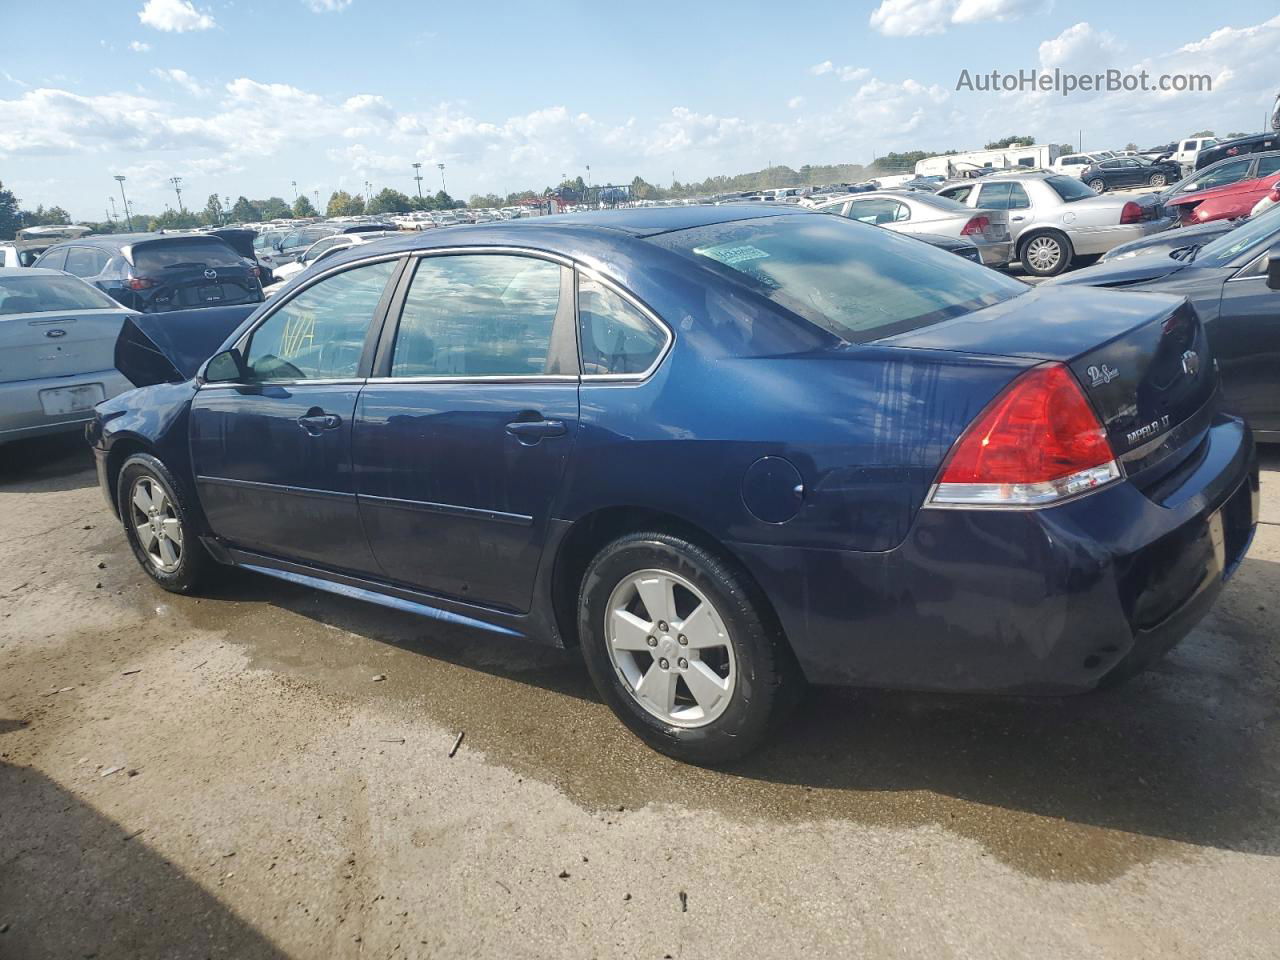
x,y
682,663
651,641
662,626
684,641
663,663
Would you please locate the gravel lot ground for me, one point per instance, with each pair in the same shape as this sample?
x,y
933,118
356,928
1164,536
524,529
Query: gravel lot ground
x,y
222,777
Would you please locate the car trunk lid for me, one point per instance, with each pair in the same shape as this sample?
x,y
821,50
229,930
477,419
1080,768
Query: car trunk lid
x,y
194,271
1142,359
170,347
39,345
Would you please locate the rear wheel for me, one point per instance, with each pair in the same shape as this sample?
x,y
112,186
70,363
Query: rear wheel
x,y
157,525
681,649
1097,185
1158,180
1046,254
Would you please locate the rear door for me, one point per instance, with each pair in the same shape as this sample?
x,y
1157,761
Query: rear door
x,y
272,450
1246,341
463,437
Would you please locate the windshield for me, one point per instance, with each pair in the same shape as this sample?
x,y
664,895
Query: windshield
x,y
1259,230
1069,188
45,294
204,252
853,280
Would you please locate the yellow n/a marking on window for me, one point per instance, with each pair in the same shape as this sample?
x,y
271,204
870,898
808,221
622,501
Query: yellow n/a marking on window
x,y
299,334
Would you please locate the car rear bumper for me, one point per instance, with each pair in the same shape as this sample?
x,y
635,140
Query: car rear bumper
x,y
1102,239
1046,601
23,414
995,254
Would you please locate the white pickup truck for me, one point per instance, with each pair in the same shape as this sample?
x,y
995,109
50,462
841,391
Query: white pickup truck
x,y
1189,149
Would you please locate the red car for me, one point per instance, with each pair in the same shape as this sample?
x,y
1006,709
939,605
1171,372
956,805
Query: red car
x,y
1228,202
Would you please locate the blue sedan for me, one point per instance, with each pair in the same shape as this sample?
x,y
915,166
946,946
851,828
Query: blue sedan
x,y
722,450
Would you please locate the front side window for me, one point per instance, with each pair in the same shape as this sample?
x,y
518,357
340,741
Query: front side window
x,y
615,337
1228,173
320,333
478,316
1268,166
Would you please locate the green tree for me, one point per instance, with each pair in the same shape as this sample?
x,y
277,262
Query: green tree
x,y
213,209
170,220
479,200
302,207
343,204
43,215
445,202
274,208
1232,136
1010,142
388,201
1204,133
245,212
9,223
1066,147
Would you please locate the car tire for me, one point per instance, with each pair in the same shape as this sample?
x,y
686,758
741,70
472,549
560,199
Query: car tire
x,y
1158,180
1098,185
158,526
1045,254
712,696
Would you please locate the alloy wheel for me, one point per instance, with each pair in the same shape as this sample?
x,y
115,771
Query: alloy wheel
x,y
1097,186
155,520
1043,254
669,647
1158,180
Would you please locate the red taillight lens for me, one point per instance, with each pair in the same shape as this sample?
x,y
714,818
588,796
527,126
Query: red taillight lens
x,y
1037,442
139,283
975,225
255,271
1275,193
1131,213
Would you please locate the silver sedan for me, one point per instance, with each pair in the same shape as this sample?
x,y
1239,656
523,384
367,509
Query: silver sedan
x,y
917,212
57,349
1054,218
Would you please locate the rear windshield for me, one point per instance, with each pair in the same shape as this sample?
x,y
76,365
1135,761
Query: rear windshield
x,y
1069,188
201,252
45,294
853,280
941,203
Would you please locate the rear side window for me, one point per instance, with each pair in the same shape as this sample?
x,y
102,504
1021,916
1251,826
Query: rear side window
x,y
478,316
854,281
320,333
615,337
159,255
85,261
1268,166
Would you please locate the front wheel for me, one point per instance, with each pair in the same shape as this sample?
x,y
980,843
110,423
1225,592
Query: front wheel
x,y
157,524
682,649
1046,255
1158,180
1097,185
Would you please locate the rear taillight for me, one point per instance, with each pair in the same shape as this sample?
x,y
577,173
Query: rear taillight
x,y
139,283
1275,193
975,225
1131,213
1037,443
255,271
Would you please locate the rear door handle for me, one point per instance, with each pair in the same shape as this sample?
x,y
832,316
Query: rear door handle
x,y
531,431
315,422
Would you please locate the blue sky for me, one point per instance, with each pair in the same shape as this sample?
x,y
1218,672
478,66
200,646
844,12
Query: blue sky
x,y
242,98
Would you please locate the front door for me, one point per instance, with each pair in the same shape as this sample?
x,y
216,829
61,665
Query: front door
x,y
462,440
272,450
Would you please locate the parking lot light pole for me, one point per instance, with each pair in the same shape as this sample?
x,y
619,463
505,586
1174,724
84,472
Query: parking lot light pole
x,y
127,216
443,188
177,188
417,175
294,184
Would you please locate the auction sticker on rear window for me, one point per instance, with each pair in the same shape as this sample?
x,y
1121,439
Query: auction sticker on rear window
x,y
732,254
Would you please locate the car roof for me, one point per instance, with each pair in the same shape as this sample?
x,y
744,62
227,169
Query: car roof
x,y
118,241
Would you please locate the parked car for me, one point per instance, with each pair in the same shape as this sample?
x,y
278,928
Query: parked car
x,y
243,240
1189,151
1224,173
1161,152
1229,202
1238,147
1170,242
720,449
1130,172
30,242
1054,219
57,335
1267,202
1233,283
296,242
960,246
154,272
320,250
911,212
1074,164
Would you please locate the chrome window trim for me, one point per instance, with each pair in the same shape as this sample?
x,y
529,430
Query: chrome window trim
x,y
645,311
495,378
1255,263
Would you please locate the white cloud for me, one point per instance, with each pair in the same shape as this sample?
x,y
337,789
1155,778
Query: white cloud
x,y
795,103
327,6
913,18
139,46
182,79
847,74
818,69
174,16
1080,48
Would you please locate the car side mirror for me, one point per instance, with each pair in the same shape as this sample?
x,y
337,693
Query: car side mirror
x,y
225,367
1273,268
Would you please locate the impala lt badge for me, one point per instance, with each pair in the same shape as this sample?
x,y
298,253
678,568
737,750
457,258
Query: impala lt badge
x,y
1102,375
1148,431
1191,363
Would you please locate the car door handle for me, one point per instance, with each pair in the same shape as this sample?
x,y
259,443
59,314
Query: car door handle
x,y
1015,219
531,431
315,422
